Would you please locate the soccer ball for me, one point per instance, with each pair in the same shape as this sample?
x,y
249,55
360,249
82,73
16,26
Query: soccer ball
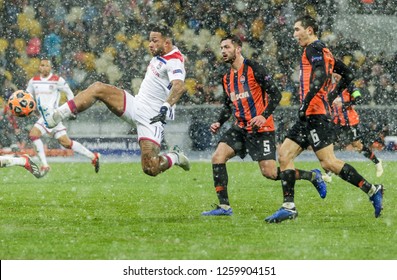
x,y
21,104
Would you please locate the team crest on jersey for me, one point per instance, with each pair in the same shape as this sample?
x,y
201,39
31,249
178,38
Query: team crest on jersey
x,y
159,65
51,87
242,79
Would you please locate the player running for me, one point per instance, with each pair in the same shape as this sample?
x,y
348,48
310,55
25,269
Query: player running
x,y
46,88
314,125
347,124
252,96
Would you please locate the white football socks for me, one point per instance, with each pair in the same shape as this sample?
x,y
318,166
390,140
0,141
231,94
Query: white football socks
x,y
173,157
39,146
79,148
6,161
64,111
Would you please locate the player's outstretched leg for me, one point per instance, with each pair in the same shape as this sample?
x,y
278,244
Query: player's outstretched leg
x,y
111,96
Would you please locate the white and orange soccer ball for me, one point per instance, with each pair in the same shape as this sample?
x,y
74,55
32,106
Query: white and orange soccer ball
x,y
21,103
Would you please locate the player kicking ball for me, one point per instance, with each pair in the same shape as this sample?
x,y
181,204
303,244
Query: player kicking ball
x,y
160,90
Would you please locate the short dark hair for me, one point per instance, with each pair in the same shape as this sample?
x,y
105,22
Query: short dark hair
x,y
234,38
50,59
307,21
161,28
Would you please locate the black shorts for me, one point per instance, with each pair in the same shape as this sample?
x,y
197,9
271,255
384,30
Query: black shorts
x,y
317,131
259,145
347,134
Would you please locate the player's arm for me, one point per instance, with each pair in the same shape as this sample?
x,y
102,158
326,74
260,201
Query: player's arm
x,y
224,114
347,77
63,86
268,86
176,74
178,88
30,89
355,97
319,74
226,110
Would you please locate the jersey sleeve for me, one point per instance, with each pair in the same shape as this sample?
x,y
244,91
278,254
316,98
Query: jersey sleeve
x,y
316,58
176,70
268,86
226,109
30,88
64,87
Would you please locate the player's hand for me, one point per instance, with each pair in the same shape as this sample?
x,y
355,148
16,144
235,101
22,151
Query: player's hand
x,y
257,122
162,115
302,111
215,127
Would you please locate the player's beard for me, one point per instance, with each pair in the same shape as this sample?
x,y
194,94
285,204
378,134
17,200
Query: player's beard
x,y
158,51
231,59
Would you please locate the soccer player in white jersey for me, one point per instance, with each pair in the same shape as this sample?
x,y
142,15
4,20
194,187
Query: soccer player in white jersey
x,y
24,161
46,88
160,90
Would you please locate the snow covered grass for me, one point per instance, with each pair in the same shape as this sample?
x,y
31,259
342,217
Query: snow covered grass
x,y
122,214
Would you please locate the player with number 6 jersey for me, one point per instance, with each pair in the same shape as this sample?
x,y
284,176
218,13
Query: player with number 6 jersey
x,y
314,127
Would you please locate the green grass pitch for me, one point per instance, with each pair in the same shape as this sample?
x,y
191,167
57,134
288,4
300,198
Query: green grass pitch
x,y
122,214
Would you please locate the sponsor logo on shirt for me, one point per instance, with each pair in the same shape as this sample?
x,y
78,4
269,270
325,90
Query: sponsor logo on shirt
x,y
235,97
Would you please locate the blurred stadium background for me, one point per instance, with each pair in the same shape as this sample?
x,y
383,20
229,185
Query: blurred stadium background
x,y
107,40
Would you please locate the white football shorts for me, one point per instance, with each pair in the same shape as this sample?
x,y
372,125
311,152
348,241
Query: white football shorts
x,y
55,132
139,113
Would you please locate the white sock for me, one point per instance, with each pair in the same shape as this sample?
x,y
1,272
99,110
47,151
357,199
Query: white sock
x,y
39,147
371,191
6,161
78,148
289,205
173,157
64,111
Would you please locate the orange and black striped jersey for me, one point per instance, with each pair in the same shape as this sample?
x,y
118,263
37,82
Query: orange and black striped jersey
x,y
251,92
344,115
316,68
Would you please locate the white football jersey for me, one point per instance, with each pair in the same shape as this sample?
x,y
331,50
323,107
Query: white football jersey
x,y
47,91
162,70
